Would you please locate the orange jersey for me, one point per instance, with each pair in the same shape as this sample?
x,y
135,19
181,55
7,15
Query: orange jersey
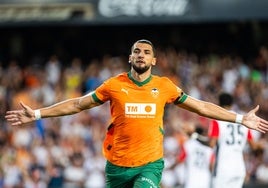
x,y
135,136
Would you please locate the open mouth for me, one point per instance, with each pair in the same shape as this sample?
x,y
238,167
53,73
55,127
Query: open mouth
x,y
140,62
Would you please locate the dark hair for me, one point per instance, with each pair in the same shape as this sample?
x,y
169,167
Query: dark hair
x,y
146,42
225,99
199,130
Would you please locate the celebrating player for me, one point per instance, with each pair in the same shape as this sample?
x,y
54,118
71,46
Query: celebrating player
x,y
133,145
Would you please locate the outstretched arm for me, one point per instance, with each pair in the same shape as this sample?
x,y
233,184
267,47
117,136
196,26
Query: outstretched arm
x,y
210,110
67,107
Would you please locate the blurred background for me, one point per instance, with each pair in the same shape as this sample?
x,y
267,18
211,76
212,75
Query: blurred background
x,y
51,50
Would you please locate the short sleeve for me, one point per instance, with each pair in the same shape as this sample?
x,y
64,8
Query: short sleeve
x,y
213,131
102,93
173,91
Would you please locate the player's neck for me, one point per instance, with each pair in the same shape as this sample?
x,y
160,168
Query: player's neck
x,y
140,77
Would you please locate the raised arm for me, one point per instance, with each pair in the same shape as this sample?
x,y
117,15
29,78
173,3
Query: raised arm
x,y
210,110
67,107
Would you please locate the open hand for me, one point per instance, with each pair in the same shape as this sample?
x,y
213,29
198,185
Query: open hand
x,y
19,117
252,121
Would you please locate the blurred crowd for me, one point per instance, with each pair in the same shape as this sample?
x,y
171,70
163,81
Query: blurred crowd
x,y
66,151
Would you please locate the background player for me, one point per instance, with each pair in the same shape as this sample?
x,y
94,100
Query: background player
x,y
197,158
229,141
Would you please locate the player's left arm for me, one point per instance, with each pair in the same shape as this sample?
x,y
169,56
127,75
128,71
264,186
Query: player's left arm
x,y
254,143
210,110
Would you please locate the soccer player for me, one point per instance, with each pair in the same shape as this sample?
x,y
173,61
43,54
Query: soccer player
x,y
229,141
198,160
133,145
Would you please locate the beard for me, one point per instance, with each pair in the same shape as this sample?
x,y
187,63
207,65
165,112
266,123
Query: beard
x,y
140,70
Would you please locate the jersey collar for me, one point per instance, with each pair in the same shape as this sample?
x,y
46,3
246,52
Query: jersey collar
x,y
137,82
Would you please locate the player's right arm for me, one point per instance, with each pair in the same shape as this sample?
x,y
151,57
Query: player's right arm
x,y
67,107
213,133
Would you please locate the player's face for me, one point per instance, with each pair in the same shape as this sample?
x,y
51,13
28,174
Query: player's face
x,y
142,57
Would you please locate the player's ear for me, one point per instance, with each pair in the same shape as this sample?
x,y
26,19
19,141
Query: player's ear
x,y
154,61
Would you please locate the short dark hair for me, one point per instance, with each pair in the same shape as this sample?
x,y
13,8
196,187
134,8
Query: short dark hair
x,y
225,99
146,42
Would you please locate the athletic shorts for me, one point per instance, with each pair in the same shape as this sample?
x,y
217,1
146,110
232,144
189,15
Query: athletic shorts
x,y
146,176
